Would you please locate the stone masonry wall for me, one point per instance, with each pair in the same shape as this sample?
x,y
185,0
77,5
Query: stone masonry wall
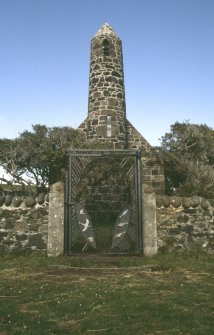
x,y
152,170
23,223
185,222
182,223
106,102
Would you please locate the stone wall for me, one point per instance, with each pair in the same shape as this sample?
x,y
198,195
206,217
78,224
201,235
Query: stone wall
x,y
152,170
185,222
182,223
23,223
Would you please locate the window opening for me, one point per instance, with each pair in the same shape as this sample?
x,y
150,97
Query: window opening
x,y
106,47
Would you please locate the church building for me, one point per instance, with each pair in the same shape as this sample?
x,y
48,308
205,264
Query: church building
x,y
106,121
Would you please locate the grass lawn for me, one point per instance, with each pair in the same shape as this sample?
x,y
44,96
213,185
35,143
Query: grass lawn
x,y
168,294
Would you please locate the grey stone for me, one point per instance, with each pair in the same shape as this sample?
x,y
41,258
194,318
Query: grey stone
x,y
205,204
116,74
35,215
166,201
30,201
195,201
21,237
186,202
16,201
188,229
3,233
9,224
8,200
95,122
34,226
106,93
183,218
175,201
20,225
148,189
101,131
36,240
41,198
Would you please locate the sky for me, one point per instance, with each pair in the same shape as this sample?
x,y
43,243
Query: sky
x,y
168,52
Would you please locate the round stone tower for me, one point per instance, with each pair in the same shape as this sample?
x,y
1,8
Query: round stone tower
x,y
106,104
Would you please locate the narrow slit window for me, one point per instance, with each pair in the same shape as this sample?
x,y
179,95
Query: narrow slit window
x,y
108,126
106,47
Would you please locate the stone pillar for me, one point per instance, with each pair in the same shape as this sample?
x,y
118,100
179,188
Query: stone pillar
x,y
149,224
56,220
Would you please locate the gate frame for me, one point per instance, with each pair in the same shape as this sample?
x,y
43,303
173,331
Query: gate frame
x,y
138,191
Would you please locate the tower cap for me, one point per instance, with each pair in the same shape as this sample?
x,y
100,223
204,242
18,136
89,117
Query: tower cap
x,y
106,29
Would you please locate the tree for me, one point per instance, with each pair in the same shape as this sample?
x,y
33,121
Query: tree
x,y
38,156
188,152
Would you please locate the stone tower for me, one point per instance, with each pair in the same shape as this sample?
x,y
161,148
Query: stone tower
x,y
106,120
106,103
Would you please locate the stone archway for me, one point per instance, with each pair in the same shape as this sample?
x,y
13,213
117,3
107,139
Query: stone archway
x,y
103,202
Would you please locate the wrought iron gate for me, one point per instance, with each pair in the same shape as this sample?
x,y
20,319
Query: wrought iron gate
x,y
103,202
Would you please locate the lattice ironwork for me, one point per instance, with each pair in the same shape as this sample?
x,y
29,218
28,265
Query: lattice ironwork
x,y
103,202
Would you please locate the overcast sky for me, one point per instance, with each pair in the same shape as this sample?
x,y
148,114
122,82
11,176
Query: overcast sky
x,y
168,50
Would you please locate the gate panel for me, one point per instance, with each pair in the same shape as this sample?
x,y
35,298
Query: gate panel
x,y
103,202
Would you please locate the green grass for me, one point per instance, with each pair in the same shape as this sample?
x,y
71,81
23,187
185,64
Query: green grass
x,y
167,294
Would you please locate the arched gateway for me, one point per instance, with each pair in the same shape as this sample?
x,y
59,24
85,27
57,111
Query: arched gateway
x,y
103,201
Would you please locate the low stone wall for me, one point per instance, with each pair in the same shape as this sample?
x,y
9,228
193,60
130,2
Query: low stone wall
x,y
185,222
23,223
182,223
